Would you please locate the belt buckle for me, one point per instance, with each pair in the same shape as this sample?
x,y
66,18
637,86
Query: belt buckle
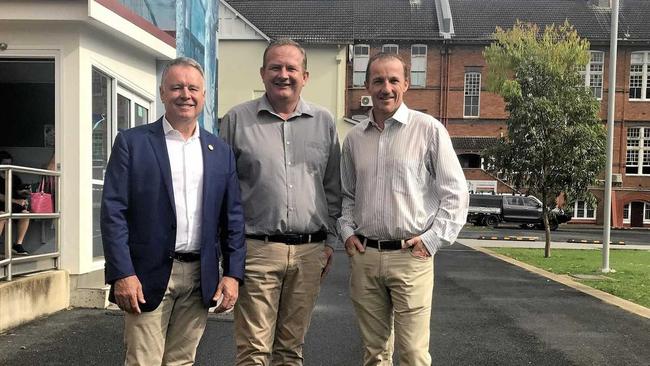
x,y
379,245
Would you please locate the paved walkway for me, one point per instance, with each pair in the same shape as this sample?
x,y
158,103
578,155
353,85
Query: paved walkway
x,y
486,312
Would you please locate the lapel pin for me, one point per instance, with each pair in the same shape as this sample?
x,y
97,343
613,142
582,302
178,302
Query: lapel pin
x,y
210,147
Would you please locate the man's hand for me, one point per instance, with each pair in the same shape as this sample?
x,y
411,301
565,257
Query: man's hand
x,y
418,248
328,253
229,289
128,294
354,245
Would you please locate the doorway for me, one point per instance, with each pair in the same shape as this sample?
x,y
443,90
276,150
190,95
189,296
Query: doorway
x,y
636,214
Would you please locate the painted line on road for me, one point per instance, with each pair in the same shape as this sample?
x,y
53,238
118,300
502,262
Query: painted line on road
x,y
517,238
567,281
584,241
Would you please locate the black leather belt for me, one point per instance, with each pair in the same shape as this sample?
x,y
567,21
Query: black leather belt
x,y
292,239
382,244
186,257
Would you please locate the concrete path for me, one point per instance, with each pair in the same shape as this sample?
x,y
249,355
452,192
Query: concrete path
x,y
486,312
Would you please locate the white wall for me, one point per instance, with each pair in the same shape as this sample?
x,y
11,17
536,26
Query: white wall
x,y
77,47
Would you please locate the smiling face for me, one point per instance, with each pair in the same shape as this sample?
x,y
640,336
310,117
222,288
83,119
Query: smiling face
x,y
183,94
283,75
386,84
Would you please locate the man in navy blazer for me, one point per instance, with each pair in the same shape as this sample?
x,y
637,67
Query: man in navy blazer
x,y
170,212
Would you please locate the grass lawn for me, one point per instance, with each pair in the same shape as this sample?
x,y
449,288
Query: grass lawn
x,y
631,281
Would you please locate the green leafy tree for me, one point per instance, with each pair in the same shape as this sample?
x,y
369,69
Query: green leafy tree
x,y
556,140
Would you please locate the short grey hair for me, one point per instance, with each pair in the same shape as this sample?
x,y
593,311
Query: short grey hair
x,y
181,61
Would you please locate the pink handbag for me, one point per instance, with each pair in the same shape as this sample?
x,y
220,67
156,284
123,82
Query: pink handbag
x,y
40,201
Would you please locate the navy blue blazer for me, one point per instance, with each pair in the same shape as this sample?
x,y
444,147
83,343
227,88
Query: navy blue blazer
x,y
138,218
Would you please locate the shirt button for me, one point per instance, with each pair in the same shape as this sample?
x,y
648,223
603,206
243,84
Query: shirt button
x,y
290,185
288,142
288,163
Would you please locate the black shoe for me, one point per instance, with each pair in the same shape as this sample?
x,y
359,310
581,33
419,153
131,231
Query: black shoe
x,y
18,249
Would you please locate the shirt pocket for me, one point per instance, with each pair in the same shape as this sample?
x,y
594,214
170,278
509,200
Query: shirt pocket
x,y
316,155
406,176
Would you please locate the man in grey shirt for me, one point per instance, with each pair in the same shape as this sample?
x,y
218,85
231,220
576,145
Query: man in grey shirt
x,y
287,155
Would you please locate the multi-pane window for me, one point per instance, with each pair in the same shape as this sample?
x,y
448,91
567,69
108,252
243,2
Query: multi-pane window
x,y
390,48
418,65
637,156
359,64
113,109
583,210
594,73
472,94
639,81
646,213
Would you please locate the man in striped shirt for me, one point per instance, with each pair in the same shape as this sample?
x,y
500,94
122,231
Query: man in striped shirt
x,y
404,197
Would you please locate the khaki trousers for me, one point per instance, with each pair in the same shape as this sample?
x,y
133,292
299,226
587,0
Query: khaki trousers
x,y
276,301
392,292
170,334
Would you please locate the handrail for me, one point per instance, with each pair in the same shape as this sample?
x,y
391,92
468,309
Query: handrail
x,y
10,259
24,169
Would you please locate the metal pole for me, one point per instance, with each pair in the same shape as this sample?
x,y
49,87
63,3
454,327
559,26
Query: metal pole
x,y
611,101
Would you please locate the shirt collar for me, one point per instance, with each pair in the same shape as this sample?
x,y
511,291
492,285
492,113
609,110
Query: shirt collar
x,y
401,115
167,129
302,107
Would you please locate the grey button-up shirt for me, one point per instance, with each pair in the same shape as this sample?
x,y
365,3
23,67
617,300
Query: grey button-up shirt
x,y
403,181
288,170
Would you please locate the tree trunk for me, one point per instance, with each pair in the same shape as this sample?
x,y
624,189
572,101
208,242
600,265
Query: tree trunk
x,y
547,229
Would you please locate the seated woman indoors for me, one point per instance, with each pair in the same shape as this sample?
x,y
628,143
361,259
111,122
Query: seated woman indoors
x,y
18,204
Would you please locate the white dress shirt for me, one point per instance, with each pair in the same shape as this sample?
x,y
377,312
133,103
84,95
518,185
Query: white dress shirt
x,y
403,181
186,162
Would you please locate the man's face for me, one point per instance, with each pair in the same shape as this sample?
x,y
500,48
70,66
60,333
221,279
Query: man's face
x,y
283,76
183,94
386,85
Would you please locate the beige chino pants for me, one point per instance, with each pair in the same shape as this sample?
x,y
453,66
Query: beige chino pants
x,y
392,292
170,334
276,301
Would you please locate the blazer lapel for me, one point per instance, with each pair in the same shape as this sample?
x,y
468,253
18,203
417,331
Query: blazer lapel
x,y
208,156
157,140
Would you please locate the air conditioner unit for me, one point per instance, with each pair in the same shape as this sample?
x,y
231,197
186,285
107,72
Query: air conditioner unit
x,y
617,178
366,101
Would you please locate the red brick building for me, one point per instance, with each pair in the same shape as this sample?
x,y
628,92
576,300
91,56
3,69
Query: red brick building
x,y
444,39
448,70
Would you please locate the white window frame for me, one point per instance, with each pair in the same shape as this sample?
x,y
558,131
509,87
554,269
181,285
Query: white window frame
x,y
584,206
639,62
593,73
472,90
117,85
637,154
419,66
390,48
626,212
134,98
359,64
